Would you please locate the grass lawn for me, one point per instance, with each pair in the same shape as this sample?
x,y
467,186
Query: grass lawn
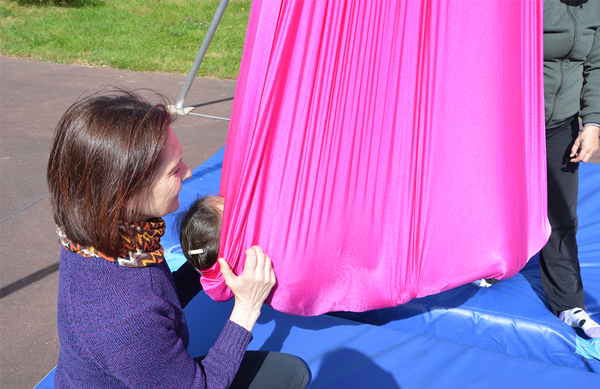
x,y
141,35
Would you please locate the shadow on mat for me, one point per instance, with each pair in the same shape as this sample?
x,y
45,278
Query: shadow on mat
x,y
284,324
347,368
449,299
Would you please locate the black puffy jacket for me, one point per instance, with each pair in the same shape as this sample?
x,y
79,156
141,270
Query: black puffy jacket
x,y
571,60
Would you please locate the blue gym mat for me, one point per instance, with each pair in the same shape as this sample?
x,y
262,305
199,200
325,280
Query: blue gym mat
x,y
512,316
503,336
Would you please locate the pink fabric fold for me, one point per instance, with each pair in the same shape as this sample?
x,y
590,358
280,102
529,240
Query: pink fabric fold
x,y
387,150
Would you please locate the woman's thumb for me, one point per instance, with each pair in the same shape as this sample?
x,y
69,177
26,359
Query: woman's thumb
x,y
225,269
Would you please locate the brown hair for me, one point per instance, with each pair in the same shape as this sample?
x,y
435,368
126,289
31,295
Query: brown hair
x,y
200,228
105,151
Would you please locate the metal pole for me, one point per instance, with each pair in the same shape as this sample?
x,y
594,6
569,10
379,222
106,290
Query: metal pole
x,y
200,56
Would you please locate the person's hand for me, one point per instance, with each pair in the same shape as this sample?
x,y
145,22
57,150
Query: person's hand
x,y
586,144
251,288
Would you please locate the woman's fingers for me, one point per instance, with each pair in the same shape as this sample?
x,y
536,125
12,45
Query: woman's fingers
x,y
586,144
258,264
251,288
251,261
273,279
256,256
257,278
575,147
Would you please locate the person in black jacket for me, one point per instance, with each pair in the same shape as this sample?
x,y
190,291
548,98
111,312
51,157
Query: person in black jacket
x,y
571,92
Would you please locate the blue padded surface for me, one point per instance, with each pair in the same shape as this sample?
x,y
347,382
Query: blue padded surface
x,y
503,336
512,316
345,354
509,317
47,382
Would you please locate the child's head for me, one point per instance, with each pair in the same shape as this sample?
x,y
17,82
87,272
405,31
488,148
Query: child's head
x,y
200,231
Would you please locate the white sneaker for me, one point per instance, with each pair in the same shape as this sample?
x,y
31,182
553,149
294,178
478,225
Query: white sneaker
x,y
578,318
485,282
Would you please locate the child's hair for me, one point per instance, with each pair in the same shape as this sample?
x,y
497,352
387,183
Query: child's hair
x,y
200,232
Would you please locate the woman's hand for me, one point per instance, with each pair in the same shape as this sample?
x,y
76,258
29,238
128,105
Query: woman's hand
x,y
586,144
251,288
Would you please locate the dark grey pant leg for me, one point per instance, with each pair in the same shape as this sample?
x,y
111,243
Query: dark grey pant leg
x,y
559,264
271,370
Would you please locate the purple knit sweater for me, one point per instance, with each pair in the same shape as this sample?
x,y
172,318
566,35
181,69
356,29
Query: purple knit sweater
x,y
122,327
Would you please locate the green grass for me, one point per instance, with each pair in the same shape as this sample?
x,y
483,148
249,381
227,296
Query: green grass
x,y
141,35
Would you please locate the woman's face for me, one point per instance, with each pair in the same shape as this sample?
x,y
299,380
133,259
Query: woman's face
x,y
162,197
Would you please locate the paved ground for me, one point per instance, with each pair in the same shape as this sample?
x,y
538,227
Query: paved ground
x,y
33,96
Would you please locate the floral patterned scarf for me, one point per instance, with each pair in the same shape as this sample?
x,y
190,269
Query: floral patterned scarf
x,y
143,251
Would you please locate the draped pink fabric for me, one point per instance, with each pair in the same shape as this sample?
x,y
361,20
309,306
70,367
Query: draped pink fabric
x,y
381,151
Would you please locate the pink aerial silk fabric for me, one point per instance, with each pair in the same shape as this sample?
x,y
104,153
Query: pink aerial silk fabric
x,y
381,151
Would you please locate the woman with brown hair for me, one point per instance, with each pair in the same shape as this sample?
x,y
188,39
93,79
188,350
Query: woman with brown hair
x,y
115,169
